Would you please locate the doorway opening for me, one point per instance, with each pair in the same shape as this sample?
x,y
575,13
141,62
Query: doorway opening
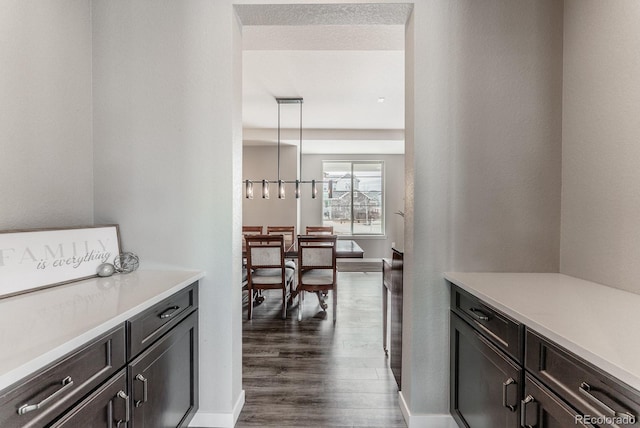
x,y
347,62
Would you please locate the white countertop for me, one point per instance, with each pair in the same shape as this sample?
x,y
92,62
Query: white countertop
x,y
598,323
38,328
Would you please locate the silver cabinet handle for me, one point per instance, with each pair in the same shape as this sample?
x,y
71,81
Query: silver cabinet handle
x,y
170,312
66,383
145,390
478,314
523,412
505,387
585,390
127,408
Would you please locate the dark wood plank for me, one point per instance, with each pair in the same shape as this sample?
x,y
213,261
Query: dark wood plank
x,y
314,373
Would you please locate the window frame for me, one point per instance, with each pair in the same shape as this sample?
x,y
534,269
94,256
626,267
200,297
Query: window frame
x,y
351,163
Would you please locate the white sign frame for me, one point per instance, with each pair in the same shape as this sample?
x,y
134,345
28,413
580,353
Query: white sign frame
x,y
33,259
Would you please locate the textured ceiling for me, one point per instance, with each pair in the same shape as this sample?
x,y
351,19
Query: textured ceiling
x,y
341,58
323,37
325,14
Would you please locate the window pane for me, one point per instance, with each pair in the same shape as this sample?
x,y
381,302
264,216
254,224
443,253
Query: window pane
x,y
367,198
353,197
336,197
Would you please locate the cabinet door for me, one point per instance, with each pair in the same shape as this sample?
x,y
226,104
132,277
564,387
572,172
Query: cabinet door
x,y
395,359
485,383
107,407
165,379
541,408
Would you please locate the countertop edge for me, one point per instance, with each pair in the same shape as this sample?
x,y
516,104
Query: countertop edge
x,y
32,366
614,370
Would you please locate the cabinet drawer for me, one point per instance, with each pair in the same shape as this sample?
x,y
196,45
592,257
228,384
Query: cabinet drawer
x,y
542,408
506,333
591,391
485,383
38,399
164,379
107,407
151,324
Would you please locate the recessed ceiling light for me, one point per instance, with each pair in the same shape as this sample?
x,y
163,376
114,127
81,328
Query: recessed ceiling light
x,y
381,99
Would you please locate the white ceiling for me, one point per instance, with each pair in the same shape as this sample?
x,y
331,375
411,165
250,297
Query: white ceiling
x,y
341,71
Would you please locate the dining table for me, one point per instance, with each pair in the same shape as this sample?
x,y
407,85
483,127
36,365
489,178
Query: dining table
x,y
345,249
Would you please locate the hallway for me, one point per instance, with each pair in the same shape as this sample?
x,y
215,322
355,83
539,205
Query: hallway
x,y
312,374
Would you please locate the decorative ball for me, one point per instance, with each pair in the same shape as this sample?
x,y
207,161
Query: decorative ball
x,y
106,269
126,262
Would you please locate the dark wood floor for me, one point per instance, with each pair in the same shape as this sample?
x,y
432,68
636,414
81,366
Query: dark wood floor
x,y
314,373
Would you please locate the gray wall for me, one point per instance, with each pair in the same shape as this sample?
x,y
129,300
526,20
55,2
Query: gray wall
x,y
261,163
311,209
483,99
46,157
601,151
168,150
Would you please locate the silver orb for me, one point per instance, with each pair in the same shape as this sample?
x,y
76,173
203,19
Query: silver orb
x,y
106,269
126,262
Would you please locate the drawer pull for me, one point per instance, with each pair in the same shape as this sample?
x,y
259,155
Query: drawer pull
x,y
170,312
66,383
585,389
505,387
523,412
145,390
479,314
127,409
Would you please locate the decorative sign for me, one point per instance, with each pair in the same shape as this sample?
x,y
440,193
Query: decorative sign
x,y
40,258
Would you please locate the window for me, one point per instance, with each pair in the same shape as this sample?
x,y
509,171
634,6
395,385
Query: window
x,y
352,197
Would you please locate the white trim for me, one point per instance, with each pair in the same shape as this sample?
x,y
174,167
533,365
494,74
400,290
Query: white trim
x,y
219,420
425,420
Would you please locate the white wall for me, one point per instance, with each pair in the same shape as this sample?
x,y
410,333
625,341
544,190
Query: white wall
x,y
601,152
260,162
45,114
484,85
167,135
311,209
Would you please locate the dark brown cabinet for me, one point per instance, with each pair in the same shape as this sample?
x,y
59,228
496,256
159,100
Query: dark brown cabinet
x,y
485,382
107,407
505,375
541,408
165,377
40,398
142,374
395,357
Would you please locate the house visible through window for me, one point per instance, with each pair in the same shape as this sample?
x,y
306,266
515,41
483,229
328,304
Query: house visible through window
x,y
352,197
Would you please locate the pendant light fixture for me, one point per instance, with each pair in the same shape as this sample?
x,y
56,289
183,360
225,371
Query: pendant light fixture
x,y
281,183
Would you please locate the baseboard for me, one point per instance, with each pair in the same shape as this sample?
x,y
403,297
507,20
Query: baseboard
x,y
359,265
425,421
219,420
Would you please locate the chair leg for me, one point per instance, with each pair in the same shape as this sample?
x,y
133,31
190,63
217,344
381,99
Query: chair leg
x,y
284,302
335,302
300,302
250,303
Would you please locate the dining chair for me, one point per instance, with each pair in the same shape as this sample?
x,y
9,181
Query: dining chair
x,y
317,269
251,230
289,233
266,268
319,230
